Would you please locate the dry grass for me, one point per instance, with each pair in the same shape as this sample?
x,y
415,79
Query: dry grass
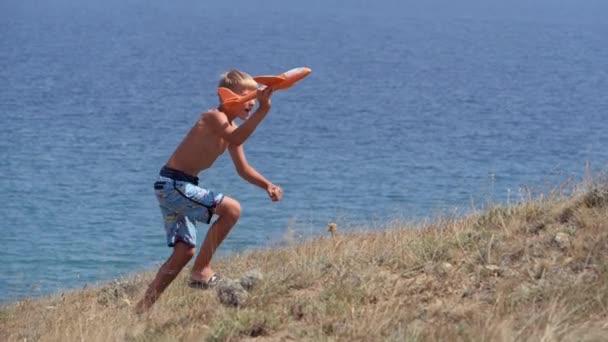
x,y
536,270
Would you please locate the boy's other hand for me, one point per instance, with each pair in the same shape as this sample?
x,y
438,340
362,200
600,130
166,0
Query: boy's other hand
x,y
264,97
275,192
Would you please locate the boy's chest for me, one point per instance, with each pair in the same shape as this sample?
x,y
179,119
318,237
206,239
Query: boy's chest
x,y
216,146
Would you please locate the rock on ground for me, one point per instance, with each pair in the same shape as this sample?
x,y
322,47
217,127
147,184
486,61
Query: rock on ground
x,y
251,279
231,293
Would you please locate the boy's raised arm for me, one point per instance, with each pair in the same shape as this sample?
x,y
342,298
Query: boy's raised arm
x,y
237,136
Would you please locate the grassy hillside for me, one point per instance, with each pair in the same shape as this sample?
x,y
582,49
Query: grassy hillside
x,y
536,270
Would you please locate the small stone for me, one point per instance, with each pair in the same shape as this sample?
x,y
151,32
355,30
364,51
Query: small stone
x,y
353,280
493,270
231,293
429,268
562,240
251,279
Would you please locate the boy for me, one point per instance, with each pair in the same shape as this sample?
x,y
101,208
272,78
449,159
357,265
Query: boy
x,y
183,202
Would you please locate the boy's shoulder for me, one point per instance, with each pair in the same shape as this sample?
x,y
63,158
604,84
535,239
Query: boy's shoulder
x,y
213,113
216,120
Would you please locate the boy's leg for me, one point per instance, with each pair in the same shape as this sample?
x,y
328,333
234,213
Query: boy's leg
x,y
182,253
229,212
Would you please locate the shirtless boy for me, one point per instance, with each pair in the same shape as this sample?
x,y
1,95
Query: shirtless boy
x,y
183,201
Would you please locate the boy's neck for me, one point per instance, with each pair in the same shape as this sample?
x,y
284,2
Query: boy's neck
x,y
228,115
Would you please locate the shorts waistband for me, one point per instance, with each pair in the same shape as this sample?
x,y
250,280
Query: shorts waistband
x,y
178,175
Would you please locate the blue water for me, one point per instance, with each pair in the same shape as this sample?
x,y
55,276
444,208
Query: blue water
x,y
412,109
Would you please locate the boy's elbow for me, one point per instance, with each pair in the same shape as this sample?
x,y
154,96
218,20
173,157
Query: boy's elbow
x,y
243,172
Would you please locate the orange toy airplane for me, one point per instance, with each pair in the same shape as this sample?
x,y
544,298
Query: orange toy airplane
x,y
283,81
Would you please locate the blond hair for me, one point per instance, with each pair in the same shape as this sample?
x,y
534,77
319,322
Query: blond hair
x,y
237,80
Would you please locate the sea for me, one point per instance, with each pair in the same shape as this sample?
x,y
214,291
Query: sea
x,y
413,110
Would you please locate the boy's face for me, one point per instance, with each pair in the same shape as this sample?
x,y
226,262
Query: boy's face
x,y
242,111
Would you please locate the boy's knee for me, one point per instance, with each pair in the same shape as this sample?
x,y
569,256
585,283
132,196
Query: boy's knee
x,y
229,208
235,209
184,250
190,252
